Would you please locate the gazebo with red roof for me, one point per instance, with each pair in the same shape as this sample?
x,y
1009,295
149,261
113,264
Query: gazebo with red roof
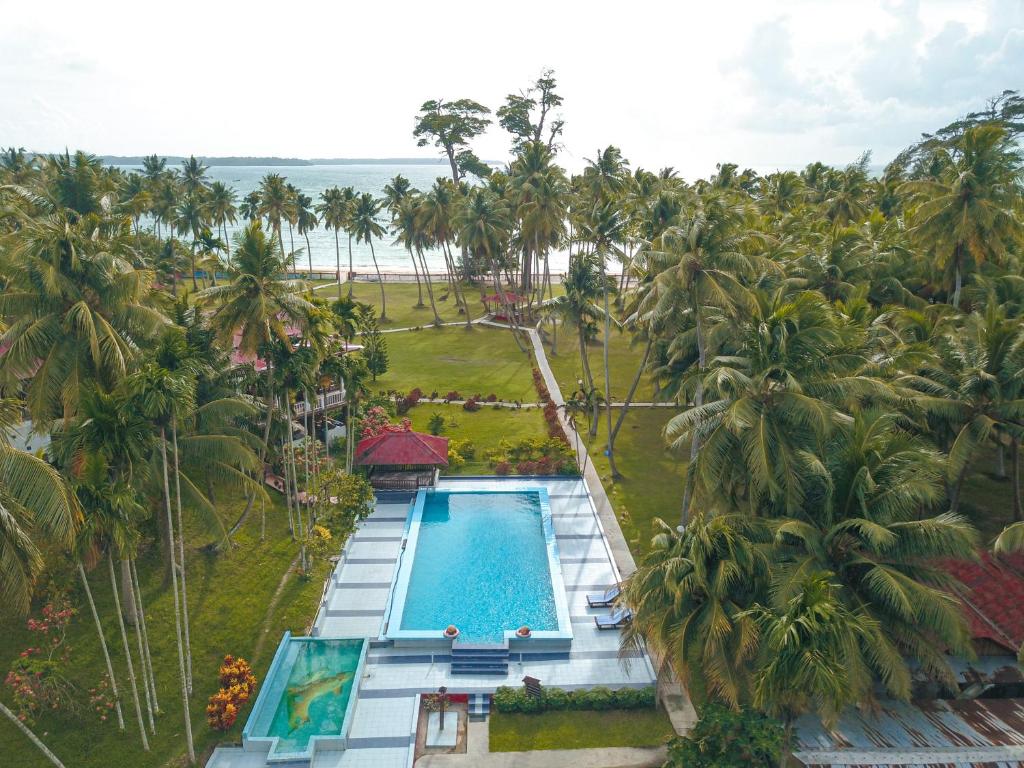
x,y
501,303
402,460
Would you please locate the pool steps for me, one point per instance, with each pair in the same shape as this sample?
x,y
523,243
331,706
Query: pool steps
x,y
479,658
479,705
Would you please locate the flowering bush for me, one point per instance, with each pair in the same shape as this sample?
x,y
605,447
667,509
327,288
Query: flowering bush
x,y
237,684
100,699
492,398
376,422
471,405
503,468
453,395
532,456
36,677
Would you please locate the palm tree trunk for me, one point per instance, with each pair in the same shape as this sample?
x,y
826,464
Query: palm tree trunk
x,y
588,379
227,244
181,552
31,736
419,286
309,254
958,282
698,401
146,689
129,601
103,645
177,603
337,260
1018,512
456,283
349,433
430,287
504,302
607,376
383,299
127,653
148,658
351,273
632,387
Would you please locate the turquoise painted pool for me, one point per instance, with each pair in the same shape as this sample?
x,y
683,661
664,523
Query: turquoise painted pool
x,y
483,562
307,695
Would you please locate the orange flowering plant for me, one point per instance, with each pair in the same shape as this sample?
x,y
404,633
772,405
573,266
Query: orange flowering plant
x,y
237,683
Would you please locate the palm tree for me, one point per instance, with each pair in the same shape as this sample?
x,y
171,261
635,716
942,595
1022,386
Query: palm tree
x,y
365,226
689,598
193,176
972,392
222,211
189,219
257,306
408,225
436,220
966,215
275,205
250,207
77,310
334,215
305,220
708,248
816,655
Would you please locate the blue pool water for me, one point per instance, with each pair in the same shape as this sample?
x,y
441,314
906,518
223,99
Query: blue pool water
x,y
481,563
320,678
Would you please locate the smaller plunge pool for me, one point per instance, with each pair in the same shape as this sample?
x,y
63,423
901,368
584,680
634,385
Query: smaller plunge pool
x,y
307,698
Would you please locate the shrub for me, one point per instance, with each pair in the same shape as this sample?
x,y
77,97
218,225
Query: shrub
x,y
237,684
508,699
503,468
436,424
471,405
492,398
453,395
723,738
455,458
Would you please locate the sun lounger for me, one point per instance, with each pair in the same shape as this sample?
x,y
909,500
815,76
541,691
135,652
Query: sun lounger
x,y
614,620
604,599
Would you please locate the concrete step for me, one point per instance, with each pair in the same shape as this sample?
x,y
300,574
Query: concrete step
x,y
479,669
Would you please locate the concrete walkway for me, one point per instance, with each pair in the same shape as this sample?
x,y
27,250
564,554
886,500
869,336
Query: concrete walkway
x,y
612,757
609,522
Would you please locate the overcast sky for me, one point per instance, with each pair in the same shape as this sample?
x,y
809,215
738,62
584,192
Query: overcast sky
x,y
688,84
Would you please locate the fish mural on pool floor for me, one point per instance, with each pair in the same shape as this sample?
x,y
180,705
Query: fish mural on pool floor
x,y
301,697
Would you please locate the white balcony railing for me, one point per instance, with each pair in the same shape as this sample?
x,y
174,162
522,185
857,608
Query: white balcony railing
x,y
333,399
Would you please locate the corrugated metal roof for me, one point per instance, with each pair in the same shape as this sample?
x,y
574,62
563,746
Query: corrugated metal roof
x,y
924,734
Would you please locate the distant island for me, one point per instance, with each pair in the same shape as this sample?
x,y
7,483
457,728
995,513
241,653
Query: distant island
x,y
282,161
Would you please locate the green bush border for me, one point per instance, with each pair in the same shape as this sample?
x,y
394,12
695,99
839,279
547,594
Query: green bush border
x,y
508,699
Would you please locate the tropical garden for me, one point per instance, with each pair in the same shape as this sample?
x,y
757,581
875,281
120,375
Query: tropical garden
x,y
842,351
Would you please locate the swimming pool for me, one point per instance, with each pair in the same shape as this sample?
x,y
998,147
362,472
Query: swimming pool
x,y
483,561
307,697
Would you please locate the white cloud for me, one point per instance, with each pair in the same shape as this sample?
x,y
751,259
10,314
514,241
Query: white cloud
x,y
761,84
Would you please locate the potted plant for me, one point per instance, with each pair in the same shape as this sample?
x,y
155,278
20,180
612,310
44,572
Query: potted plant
x,y
451,632
523,631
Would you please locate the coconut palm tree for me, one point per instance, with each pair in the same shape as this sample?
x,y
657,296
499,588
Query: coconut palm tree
x,y
408,226
275,205
966,215
436,213
365,226
689,598
334,215
305,220
222,211
76,310
257,306
193,176
397,194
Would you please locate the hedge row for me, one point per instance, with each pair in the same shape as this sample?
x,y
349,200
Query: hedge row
x,y
517,700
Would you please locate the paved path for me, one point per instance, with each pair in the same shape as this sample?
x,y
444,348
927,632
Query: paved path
x,y
605,513
615,757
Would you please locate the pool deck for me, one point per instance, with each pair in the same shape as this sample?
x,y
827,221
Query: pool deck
x,y
382,729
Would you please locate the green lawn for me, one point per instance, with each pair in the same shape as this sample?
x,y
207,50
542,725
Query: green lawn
x,y
229,594
402,298
476,361
623,361
652,476
579,730
485,428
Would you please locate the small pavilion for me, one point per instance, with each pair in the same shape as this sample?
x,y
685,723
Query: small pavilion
x,y
500,304
402,460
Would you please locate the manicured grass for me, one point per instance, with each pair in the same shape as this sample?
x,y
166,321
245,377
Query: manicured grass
x,y
229,594
484,428
473,361
623,361
579,730
652,476
402,298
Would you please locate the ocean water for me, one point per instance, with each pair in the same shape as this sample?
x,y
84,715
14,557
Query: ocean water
x,y
313,179
316,694
481,563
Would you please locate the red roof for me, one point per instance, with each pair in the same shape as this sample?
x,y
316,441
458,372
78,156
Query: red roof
x,y
400,448
510,297
993,597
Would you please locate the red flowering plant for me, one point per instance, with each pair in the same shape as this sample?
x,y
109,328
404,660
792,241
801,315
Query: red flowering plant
x,y
376,422
36,677
237,684
101,701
